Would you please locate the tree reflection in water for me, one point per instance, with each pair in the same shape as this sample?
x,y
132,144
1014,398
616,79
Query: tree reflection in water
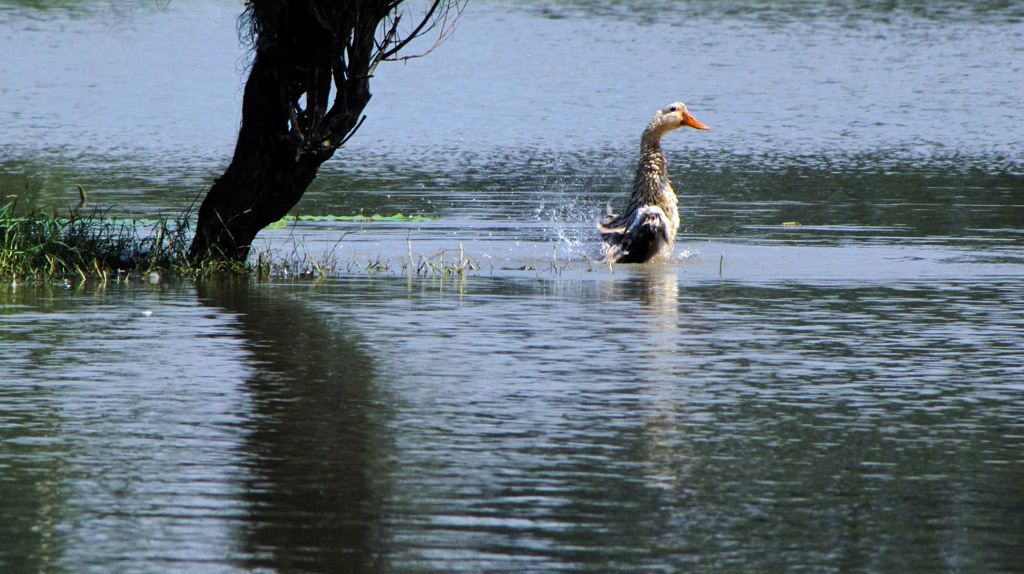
x,y
316,441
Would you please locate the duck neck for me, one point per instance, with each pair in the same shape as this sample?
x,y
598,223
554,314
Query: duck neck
x,y
651,180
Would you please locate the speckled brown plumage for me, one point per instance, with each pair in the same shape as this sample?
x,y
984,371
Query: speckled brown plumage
x,y
647,228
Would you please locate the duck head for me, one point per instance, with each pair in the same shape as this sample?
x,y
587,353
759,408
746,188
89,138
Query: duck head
x,y
672,116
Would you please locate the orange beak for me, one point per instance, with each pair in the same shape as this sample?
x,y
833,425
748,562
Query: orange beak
x,y
693,122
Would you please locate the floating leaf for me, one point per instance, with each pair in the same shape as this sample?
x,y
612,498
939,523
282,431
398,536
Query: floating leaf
x,y
359,218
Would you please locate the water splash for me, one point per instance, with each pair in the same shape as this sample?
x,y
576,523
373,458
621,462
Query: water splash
x,y
570,222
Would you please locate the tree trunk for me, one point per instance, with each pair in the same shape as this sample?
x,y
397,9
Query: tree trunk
x,y
268,173
289,126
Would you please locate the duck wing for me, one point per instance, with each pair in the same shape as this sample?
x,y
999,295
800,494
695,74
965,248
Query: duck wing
x,y
611,222
645,238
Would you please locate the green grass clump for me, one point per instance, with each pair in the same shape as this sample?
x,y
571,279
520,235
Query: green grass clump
x,y
41,246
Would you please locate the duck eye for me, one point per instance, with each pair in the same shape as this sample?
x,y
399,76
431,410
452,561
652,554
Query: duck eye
x,y
673,109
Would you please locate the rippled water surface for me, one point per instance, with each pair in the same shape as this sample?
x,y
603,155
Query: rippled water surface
x,y
828,377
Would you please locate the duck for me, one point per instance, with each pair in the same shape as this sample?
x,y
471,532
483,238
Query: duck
x,y
646,230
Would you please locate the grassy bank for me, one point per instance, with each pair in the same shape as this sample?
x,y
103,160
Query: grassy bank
x,y
43,246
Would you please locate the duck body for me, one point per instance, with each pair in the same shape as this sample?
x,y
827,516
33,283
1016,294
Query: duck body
x,y
647,229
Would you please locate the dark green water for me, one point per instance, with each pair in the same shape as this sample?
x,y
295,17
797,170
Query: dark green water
x,y
846,394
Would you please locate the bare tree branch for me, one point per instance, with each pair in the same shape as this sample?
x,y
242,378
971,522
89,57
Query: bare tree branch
x,y
446,30
439,14
424,22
